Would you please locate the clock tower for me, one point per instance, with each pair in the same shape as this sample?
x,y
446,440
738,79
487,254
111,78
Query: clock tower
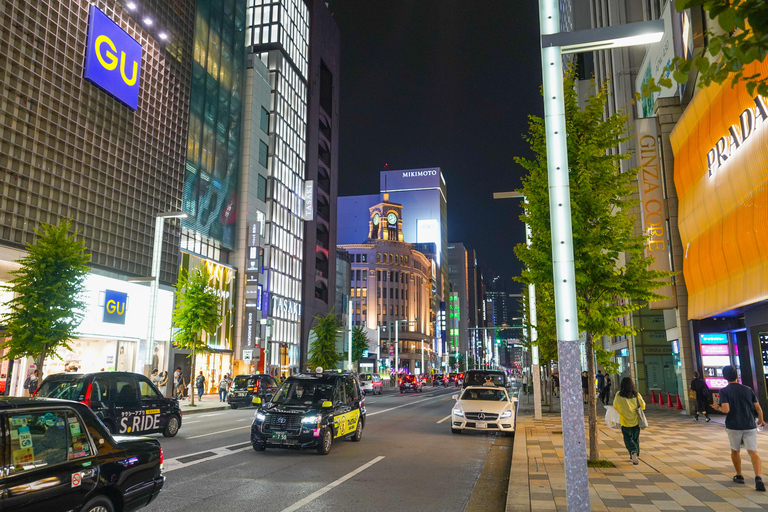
x,y
386,221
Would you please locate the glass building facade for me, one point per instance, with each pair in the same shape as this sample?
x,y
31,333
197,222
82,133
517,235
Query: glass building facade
x,y
213,145
277,32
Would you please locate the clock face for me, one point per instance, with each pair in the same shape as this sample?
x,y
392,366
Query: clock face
x,y
375,219
392,218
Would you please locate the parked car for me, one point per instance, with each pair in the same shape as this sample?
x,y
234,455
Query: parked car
x,y
245,387
410,383
371,383
478,378
59,457
310,410
127,403
483,408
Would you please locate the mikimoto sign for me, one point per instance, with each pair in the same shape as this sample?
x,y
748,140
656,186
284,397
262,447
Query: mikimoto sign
x,y
112,59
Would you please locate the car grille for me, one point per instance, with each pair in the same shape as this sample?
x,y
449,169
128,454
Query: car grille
x,y
272,422
476,416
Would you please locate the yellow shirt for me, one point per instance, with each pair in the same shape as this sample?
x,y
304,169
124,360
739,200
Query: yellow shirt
x,y
627,408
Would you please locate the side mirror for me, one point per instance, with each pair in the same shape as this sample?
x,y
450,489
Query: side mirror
x,y
327,404
256,400
455,397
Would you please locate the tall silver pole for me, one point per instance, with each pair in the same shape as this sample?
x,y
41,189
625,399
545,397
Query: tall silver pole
x,y
157,251
349,325
397,346
534,337
564,274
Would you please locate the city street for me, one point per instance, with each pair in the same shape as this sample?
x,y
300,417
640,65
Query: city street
x,y
407,460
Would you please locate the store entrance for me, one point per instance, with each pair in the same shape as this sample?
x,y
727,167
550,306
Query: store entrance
x,y
660,371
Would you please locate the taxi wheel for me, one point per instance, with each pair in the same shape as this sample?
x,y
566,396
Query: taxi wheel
x,y
358,435
233,406
326,442
259,447
99,504
455,430
172,427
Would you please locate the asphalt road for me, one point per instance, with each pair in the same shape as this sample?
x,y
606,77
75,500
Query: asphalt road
x,y
407,460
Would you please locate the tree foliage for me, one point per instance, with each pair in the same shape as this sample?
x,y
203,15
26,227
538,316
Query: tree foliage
x,y
197,312
613,277
359,343
743,40
46,309
322,350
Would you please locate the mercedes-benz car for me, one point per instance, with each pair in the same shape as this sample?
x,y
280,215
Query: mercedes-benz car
x,y
483,408
310,411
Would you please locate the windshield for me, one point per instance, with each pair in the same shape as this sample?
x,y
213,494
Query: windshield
x,y
303,393
64,389
364,376
491,395
243,382
478,378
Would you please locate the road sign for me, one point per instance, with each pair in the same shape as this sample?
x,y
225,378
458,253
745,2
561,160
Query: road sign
x,y
247,355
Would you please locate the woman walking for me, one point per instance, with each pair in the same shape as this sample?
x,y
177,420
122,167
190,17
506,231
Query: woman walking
x,y
703,394
161,385
626,402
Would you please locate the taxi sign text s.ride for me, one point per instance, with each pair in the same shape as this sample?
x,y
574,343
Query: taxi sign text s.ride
x,y
112,58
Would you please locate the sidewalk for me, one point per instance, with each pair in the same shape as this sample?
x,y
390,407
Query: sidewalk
x,y
209,403
684,465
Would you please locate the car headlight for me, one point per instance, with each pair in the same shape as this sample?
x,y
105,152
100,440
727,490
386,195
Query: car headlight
x,y
259,417
506,414
310,419
458,412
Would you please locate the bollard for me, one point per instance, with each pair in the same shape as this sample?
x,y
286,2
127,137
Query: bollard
x,y
679,404
669,400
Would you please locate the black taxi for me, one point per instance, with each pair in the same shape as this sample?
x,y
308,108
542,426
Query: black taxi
x,y
127,403
310,410
57,456
246,387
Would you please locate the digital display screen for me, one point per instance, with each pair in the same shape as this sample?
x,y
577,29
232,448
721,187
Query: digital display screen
x,y
715,361
716,382
715,350
713,339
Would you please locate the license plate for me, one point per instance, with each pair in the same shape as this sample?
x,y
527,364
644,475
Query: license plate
x,y
481,424
280,436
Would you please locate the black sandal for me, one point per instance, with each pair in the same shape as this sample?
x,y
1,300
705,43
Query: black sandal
x,y
739,479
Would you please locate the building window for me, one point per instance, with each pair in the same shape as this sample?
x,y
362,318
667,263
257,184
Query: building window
x,y
378,292
261,191
397,293
357,258
365,258
264,120
391,293
384,274
263,150
378,257
365,293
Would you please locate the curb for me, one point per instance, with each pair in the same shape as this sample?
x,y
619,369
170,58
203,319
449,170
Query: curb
x,y
519,490
195,410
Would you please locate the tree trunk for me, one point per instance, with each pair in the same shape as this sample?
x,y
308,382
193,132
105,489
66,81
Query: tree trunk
x,y
192,381
592,404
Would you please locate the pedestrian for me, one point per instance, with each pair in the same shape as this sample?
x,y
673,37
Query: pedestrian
x,y
32,381
155,378
605,394
224,387
740,406
626,402
600,381
556,383
179,383
200,384
163,383
525,383
585,386
703,396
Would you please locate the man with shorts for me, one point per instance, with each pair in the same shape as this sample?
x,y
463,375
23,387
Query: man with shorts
x,y
740,407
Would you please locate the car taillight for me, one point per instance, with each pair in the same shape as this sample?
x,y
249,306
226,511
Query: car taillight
x,y
161,457
87,399
256,386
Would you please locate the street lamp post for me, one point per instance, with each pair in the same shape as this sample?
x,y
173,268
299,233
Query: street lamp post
x,y
154,286
554,44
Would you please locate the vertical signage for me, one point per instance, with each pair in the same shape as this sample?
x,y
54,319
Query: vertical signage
x,y
654,207
114,307
112,59
309,200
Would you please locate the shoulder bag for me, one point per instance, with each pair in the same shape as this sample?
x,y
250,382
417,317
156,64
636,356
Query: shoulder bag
x,y
642,421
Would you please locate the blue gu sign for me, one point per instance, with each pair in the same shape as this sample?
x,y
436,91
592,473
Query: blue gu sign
x,y
112,59
114,307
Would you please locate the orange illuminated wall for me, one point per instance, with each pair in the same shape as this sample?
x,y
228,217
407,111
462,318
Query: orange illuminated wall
x,y
723,210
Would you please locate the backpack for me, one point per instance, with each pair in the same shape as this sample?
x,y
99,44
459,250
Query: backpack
x,y
199,381
28,382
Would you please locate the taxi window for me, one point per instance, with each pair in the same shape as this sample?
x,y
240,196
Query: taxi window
x,y
147,391
45,438
366,376
63,389
350,391
100,390
125,389
243,382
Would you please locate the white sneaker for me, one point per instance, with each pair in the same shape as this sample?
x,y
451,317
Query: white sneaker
x,y
633,458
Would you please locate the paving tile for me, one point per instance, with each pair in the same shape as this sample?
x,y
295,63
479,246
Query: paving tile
x,y
667,505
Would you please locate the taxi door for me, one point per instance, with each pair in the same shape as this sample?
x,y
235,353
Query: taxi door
x,y
128,411
154,406
50,461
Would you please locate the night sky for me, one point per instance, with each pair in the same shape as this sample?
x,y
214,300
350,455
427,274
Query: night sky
x,y
449,84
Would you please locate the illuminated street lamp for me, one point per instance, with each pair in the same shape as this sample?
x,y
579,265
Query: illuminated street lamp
x,y
554,45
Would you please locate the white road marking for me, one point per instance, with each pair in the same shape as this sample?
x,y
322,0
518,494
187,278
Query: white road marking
x,y
218,432
446,418
174,464
208,415
245,419
335,483
190,422
399,406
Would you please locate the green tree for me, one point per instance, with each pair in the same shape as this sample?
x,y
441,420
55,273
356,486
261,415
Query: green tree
x,y
322,350
46,309
612,274
743,40
197,313
359,343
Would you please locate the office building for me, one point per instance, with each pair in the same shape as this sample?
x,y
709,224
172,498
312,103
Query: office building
x,y
100,139
458,268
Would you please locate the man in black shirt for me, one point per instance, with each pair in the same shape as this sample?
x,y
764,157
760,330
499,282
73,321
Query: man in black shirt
x,y
740,407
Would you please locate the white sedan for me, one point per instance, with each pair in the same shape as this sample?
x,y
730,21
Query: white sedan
x,y
483,408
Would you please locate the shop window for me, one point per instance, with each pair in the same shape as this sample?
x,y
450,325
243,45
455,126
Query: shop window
x,y
46,438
